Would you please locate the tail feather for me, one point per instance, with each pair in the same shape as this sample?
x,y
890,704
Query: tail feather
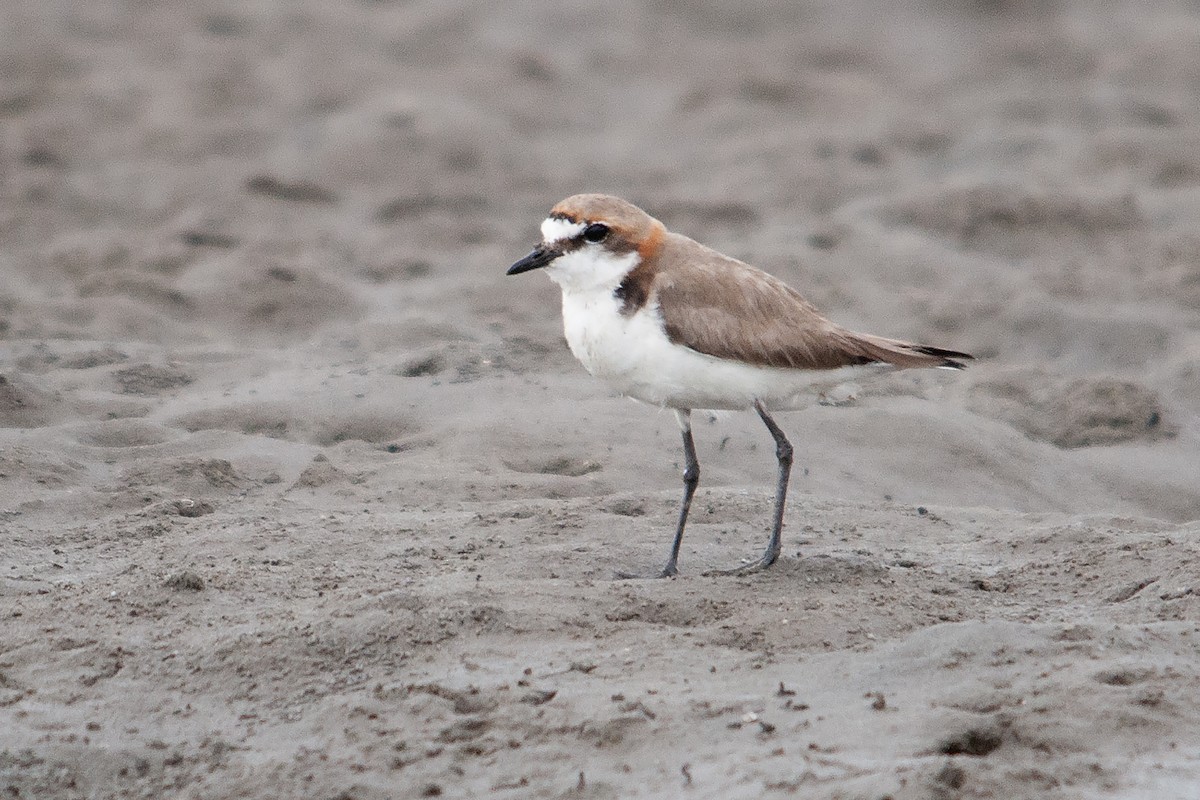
x,y
906,354
951,359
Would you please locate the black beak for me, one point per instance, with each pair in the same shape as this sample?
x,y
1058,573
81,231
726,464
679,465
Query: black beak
x,y
540,257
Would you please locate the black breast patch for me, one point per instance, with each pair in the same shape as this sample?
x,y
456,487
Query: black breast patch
x,y
633,293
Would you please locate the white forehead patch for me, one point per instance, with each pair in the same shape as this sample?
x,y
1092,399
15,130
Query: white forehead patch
x,y
556,229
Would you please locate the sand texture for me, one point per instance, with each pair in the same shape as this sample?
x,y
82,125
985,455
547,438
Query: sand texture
x,y
301,497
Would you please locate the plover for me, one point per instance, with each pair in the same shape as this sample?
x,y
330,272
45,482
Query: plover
x,y
675,324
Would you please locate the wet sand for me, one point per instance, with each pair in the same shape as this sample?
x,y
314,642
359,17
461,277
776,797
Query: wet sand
x,y
301,497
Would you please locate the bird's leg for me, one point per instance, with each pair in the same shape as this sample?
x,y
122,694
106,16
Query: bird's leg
x,y
691,478
783,452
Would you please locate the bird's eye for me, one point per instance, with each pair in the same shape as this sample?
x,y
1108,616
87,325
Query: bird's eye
x,y
595,232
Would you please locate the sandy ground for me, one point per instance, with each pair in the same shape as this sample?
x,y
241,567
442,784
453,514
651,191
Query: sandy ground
x,y
301,497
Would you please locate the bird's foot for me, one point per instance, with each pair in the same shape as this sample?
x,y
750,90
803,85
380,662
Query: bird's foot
x,y
669,571
758,565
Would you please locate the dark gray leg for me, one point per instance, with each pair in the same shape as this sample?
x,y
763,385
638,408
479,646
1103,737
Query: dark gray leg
x,y
691,478
783,452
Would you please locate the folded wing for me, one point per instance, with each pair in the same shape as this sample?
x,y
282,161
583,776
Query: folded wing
x,y
724,308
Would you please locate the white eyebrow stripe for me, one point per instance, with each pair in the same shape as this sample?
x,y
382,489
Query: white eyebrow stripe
x,y
557,229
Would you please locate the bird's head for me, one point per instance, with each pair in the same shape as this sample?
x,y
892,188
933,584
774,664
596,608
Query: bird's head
x,y
591,240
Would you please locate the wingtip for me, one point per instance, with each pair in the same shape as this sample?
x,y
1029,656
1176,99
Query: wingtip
x,y
951,359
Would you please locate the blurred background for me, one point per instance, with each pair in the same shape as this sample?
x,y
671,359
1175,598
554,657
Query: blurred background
x,y
1019,180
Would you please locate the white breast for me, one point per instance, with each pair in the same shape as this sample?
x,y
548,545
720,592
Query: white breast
x,y
634,355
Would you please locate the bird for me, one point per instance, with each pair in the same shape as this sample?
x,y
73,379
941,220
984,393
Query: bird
x,y
675,324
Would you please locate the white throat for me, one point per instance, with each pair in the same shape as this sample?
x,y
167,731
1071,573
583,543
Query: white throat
x,y
590,268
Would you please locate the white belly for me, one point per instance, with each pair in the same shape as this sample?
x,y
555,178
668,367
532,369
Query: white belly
x,y
634,355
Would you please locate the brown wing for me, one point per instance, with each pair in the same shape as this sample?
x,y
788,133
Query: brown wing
x,y
724,308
